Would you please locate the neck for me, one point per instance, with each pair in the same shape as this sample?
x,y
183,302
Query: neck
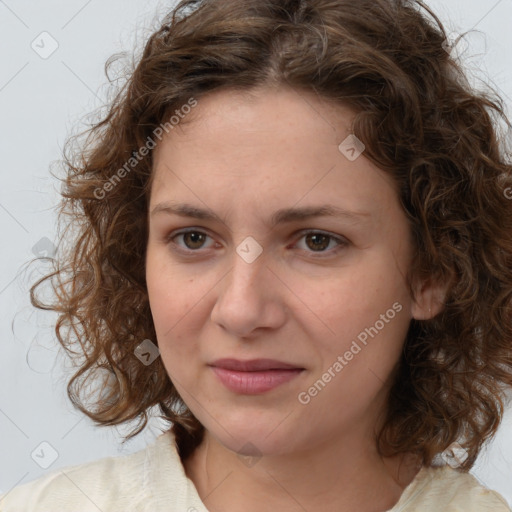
x,y
342,475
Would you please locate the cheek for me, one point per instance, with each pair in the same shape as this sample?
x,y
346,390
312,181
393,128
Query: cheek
x,y
172,302
352,306
172,313
169,288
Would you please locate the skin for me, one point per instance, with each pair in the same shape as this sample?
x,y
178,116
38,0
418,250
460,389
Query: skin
x,y
243,157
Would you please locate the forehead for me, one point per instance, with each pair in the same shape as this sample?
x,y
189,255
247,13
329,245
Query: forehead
x,y
266,145
260,109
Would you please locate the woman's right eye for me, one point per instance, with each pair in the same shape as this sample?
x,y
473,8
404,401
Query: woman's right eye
x,y
192,239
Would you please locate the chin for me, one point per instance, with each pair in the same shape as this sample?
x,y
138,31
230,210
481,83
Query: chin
x,y
253,439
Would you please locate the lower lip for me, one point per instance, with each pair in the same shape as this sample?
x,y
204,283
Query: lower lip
x,y
253,383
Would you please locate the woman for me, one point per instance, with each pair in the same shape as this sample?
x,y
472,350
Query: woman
x,y
292,235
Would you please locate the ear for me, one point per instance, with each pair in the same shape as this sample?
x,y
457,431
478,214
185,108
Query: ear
x,y
429,297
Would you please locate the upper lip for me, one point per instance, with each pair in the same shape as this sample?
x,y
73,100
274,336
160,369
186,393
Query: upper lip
x,y
253,365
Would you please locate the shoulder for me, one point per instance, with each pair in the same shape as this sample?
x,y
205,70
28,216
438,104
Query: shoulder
x,y
111,484
447,489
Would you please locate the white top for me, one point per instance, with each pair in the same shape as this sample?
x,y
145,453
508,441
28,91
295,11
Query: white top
x,y
154,480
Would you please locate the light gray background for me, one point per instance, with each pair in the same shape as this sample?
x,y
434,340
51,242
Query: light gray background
x,y
41,101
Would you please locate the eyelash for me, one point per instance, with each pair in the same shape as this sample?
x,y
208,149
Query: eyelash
x,y
342,242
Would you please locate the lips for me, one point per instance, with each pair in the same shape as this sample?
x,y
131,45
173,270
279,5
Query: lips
x,y
254,365
254,377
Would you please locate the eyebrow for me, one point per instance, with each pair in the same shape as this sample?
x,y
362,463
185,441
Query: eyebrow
x,y
285,215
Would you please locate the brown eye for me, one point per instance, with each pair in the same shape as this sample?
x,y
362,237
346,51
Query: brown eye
x,y
192,240
319,242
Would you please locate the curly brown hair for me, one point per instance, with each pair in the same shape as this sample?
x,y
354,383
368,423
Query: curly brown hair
x,y
419,120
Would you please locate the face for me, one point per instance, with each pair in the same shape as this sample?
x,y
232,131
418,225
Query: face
x,y
250,270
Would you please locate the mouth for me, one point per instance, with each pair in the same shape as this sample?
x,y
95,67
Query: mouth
x,y
256,376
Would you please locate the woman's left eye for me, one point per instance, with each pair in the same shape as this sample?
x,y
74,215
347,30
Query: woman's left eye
x,y
316,241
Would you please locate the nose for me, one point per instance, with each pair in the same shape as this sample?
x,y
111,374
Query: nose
x,y
250,298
